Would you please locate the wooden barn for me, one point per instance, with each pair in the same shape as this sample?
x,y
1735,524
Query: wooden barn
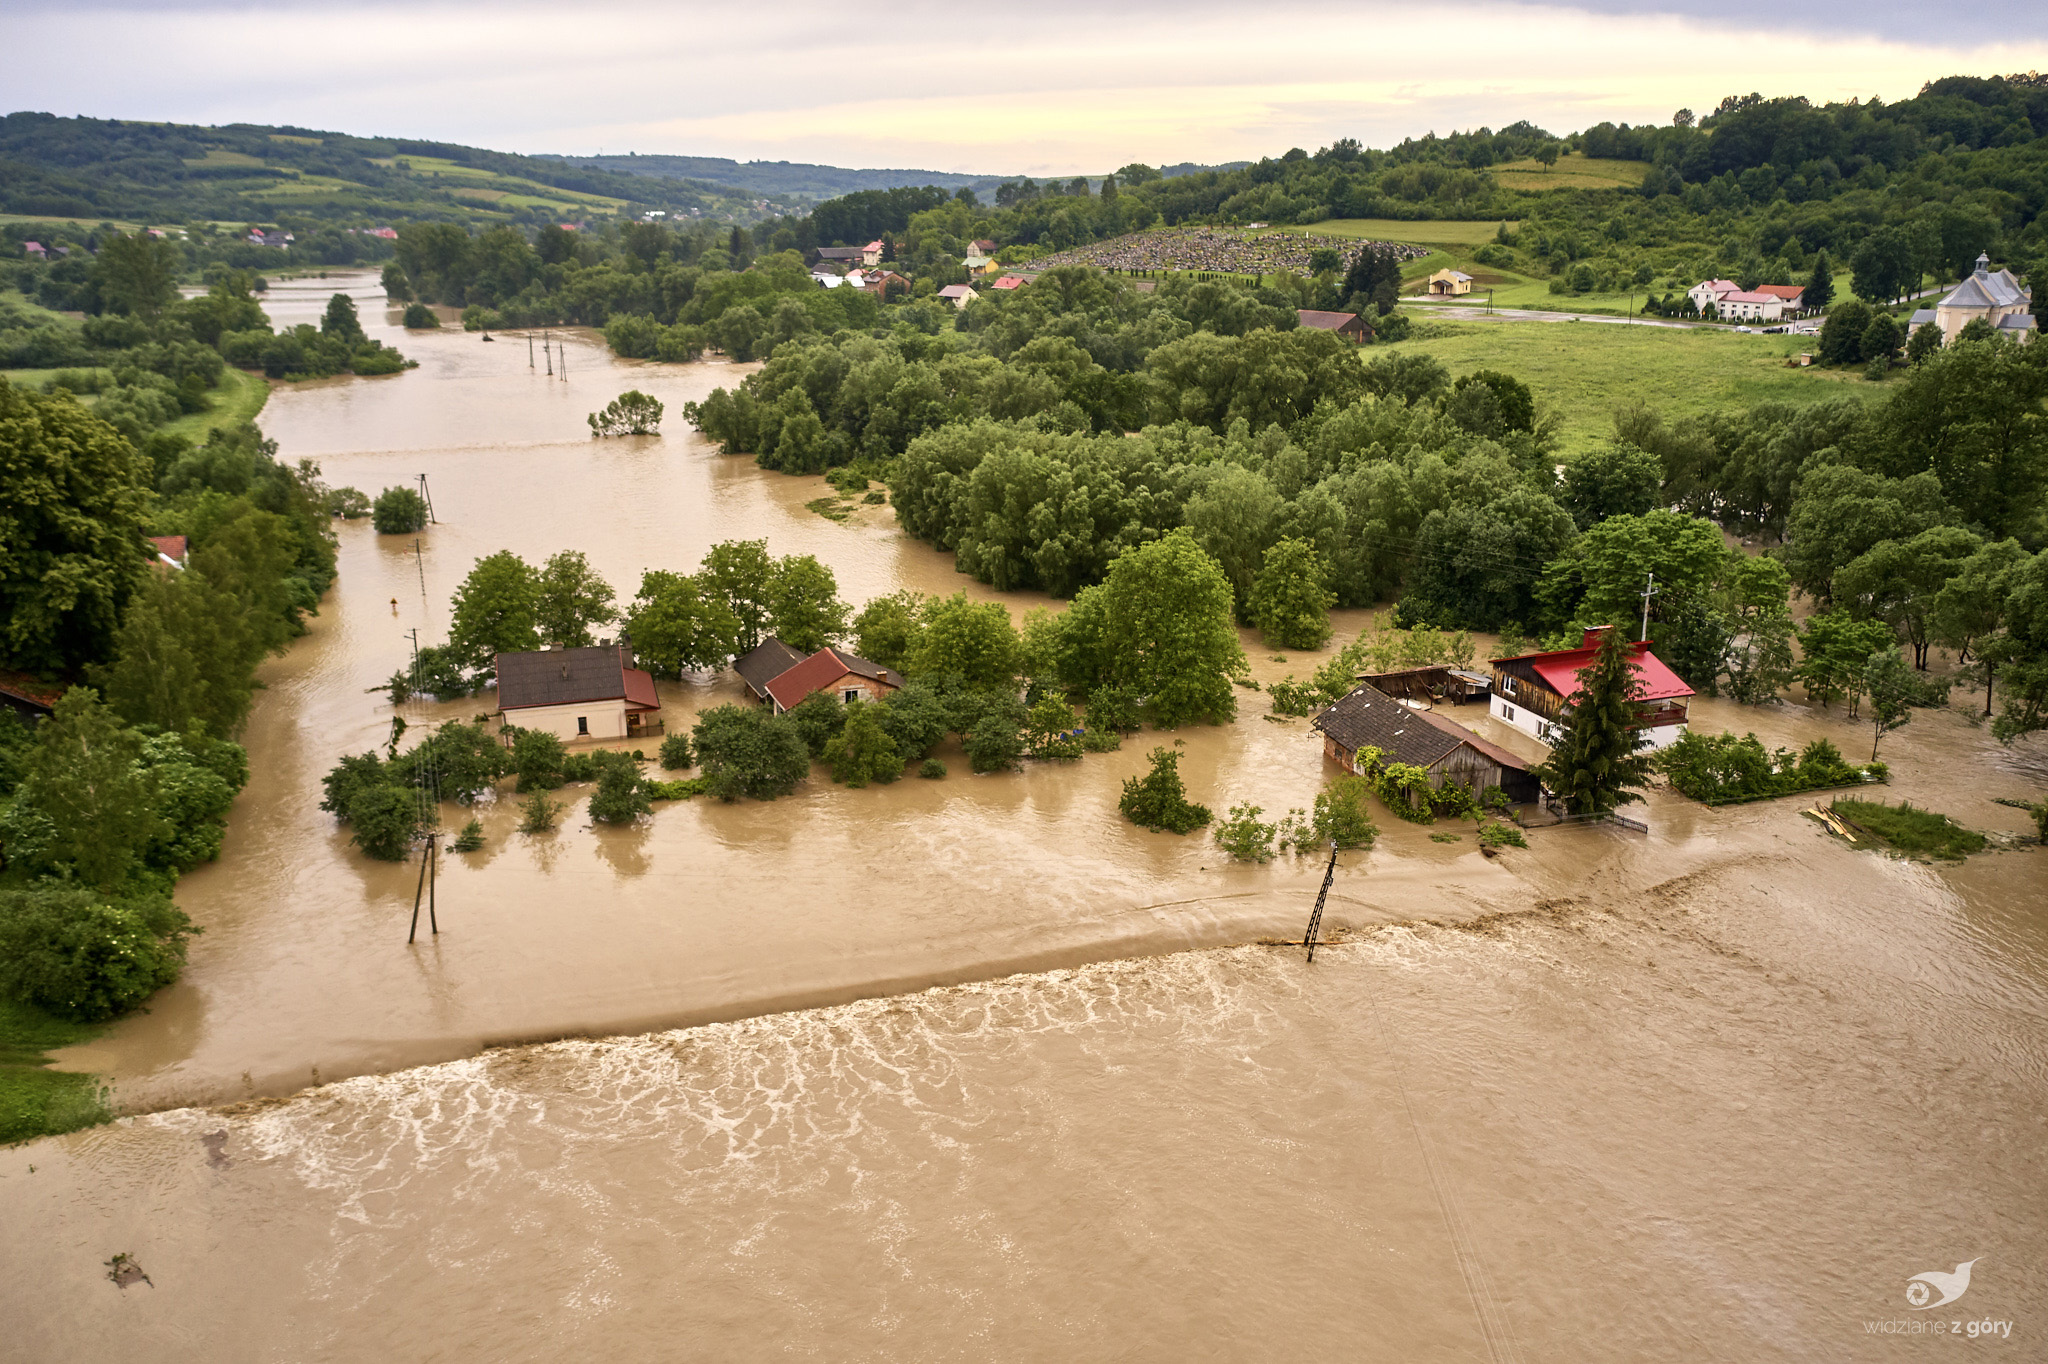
x,y
1455,686
1369,718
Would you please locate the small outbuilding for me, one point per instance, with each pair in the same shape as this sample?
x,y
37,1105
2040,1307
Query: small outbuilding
x,y
959,295
1369,718
1449,283
1350,326
593,693
27,696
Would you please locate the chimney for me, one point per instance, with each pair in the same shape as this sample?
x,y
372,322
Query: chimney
x,y
1592,636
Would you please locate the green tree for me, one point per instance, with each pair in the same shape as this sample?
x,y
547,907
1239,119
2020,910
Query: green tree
x,y
1836,646
974,642
862,751
1820,285
386,820
1159,800
184,654
745,751
1291,597
1925,341
632,413
887,627
1969,611
1166,621
1842,511
87,785
1233,519
137,273
1893,692
493,611
994,736
1881,338
2024,652
804,605
1841,336
340,321
398,511
569,599
677,626
1244,836
84,956
1758,660
72,496
1898,581
1049,732
1616,557
621,797
740,573
1598,756
1615,479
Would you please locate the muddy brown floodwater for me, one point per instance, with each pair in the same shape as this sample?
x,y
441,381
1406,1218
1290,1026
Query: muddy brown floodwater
x,y
971,1069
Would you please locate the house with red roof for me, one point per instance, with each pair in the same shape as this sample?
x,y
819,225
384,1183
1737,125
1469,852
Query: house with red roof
x,y
871,254
28,695
590,693
1793,296
1350,326
1010,282
783,678
170,550
1531,691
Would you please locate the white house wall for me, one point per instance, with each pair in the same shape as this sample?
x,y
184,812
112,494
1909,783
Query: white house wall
x,y
1539,729
607,719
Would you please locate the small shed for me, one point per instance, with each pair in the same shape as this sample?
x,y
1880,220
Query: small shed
x,y
1457,686
1449,283
959,295
1350,326
1369,718
29,697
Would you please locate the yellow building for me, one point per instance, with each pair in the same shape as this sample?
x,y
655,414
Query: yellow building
x,y
1447,283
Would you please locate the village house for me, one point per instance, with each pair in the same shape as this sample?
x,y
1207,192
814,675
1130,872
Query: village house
x,y
979,256
1010,282
959,295
34,251
276,237
840,255
1350,326
170,550
1369,718
871,254
827,275
1708,292
878,282
1530,690
1458,686
1732,303
1992,295
27,696
779,675
591,693
1792,297
1449,283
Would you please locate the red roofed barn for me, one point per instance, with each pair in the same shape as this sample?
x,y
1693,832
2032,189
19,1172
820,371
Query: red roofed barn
x,y
779,676
1530,692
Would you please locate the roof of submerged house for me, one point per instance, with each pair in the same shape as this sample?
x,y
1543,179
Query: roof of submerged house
x,y
566,677
1368,717
821,670
764,663
1560,670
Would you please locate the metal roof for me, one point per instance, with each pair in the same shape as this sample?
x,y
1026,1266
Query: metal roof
x,y
764,663
1368,716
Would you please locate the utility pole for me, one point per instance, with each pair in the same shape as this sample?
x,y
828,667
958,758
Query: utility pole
x,y
429,870
428,498
1315,923
1650,589
546,342
529,351
419,561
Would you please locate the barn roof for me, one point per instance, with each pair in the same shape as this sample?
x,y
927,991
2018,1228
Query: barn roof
x,y
1319,320
764,663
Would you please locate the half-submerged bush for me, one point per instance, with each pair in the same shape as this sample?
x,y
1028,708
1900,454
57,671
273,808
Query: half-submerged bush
x,y
1159,801
398,511
632,413
1717,769
84,956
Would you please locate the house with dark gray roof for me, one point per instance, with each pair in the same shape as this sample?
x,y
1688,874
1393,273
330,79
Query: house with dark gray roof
x,y
783,677
592,693
764,663
1402,732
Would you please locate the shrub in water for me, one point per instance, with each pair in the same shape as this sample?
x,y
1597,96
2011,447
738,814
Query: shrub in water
x,y
419,317
676,754
398,511
931,769
1244,837
1159,801
538,813
862,752
471,838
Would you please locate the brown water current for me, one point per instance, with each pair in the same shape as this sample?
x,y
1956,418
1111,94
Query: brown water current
x,y
972,1069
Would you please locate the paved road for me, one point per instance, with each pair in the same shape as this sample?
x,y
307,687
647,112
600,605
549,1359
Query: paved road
x,y
1463,313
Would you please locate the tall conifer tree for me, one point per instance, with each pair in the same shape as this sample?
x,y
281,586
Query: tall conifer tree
x,y
1600,752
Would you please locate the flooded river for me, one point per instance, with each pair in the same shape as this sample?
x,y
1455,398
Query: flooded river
x,y
971,1069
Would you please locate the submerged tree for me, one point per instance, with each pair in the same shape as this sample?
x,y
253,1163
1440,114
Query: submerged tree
x,y
1599,755
632,413
1159,801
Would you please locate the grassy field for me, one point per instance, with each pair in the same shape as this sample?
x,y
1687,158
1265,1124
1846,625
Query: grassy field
x,y
1394,230
1582,370
239,398
1572,171
34,1100
1912,830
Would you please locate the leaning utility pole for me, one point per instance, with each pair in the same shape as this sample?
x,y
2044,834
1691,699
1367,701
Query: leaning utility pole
x,y
1315,922
429,866
428,498
1650,589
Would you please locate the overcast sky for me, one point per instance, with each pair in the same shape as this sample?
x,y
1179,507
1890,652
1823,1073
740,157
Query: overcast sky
x,y
1052,87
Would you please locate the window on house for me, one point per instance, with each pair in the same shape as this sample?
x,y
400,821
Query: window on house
x,y
1507,684
851,694
1509,712
583,724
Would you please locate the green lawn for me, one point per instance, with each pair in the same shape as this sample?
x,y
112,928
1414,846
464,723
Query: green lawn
x,y
239,398
1395,230
1911,829
1572,171
1582,370
34,1100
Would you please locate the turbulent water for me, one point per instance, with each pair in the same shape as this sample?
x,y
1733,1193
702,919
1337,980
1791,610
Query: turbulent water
x,y
1714,1093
